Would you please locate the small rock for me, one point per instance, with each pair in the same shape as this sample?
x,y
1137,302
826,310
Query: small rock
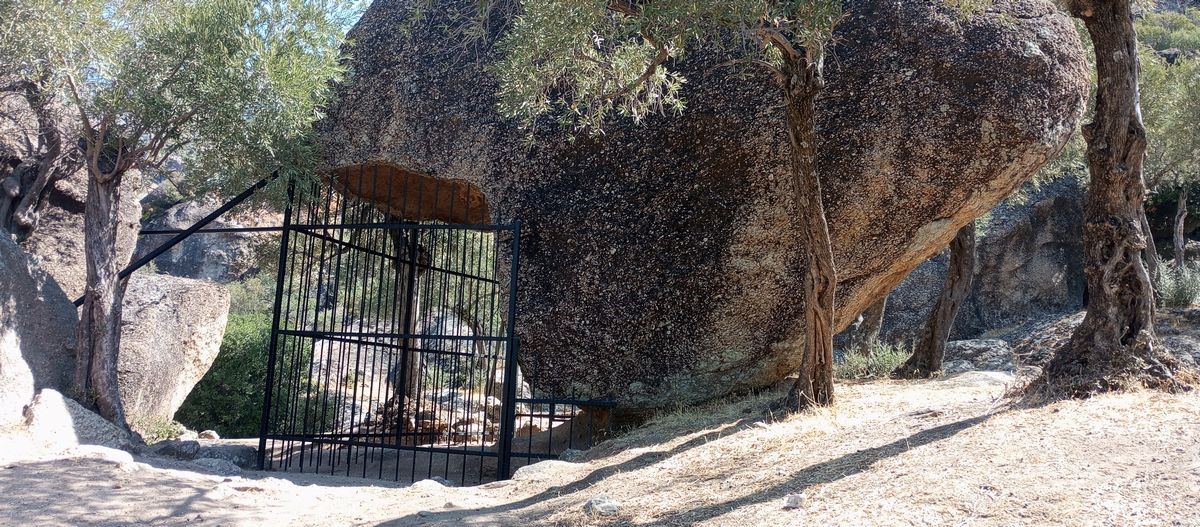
x,y
209,434
539,471
188,435
244,456
571,455
220,466
185,450
602,506
444,481
794,501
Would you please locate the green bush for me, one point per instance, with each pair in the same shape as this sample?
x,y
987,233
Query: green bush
x,y
879,364
229,398
1178,286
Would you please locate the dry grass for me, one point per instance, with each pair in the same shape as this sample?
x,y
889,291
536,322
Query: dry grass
x,y
943,452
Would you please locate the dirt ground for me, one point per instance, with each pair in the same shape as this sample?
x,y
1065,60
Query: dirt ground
x,y
948,452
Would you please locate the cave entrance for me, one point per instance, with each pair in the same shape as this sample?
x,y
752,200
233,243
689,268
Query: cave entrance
x,y
392,344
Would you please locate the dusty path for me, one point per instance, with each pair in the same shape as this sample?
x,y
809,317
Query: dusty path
x,y
948,452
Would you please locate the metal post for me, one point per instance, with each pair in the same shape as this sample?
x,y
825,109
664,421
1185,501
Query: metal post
x,y
275,319
508,425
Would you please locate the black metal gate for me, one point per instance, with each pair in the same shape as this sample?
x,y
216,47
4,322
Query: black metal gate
x,y
392,346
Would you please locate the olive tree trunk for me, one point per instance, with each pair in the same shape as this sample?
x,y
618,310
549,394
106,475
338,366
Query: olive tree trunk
x,y
98,337
926,359
814,387
1179,239
866,335
25,180
1115,345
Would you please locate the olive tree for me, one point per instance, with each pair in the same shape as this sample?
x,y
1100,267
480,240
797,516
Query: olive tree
x,y
582,62
229,86
1115,346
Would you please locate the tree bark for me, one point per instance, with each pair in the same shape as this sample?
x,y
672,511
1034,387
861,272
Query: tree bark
x,y
1150,253
814,387
1115,346
25,181
866,335
98,337
1179,239
926,359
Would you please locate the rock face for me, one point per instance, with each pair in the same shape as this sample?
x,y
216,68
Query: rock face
x,y
37,326
170,335
1029,264
660,263
221,257
57,242
976,355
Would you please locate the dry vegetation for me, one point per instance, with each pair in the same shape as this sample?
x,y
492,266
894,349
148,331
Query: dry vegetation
x,y
947,452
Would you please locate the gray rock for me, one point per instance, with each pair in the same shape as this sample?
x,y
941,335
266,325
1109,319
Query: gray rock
x,y
241,455
52,419
571,455
977,355
170,335
57,242
220,466
930,118
602,506
185,450
794,501
220,257
540,471
208,434
1028,266
37,325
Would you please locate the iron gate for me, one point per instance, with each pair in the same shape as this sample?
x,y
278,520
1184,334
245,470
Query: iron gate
x,y
392,344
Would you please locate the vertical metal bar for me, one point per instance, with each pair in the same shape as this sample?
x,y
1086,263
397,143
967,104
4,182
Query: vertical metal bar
x,y
510,364
276,311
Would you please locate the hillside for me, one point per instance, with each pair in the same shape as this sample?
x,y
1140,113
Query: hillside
x,y
953,451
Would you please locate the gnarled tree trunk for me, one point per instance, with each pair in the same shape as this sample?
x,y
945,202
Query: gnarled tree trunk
x,y
98,337
1115,346
927,356
1179,239
24,181
866,335
802,81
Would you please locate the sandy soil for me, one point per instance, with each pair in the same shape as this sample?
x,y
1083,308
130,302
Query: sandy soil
x,y
946,452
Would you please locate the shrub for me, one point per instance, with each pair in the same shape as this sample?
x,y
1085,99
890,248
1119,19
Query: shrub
x,y
1178,286
229,398
879,364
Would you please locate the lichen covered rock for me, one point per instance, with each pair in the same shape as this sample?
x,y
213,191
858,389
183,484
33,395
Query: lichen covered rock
x,y
660,263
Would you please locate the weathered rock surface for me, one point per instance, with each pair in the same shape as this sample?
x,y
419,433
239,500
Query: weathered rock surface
x,y
57,242
58,421
1035,343
978,355
660,263
220,257
37,326
170,335
1029,265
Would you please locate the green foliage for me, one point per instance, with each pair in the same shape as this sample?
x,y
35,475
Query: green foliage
x,y
155,430
884,358
229,398
1170,97
1171,29
586,61
230,86
1178,286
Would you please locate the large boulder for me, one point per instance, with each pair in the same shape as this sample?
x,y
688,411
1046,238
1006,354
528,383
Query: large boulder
x,y
221,257
37,332
170,334
1029,264
57,241
661,263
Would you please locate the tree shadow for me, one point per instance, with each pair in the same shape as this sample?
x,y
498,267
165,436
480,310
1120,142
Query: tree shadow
x,y
817,474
